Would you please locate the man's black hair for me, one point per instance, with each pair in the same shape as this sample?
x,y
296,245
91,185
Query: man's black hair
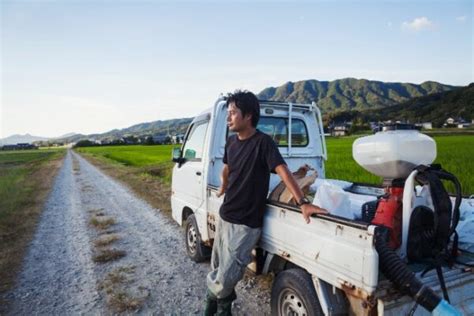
x,y
247,103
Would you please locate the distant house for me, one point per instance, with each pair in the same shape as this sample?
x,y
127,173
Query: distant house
x,y
425,125
177,139
464,125
459,123
340,130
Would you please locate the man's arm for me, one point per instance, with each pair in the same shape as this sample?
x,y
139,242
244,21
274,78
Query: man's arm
x,y
224,178
290,182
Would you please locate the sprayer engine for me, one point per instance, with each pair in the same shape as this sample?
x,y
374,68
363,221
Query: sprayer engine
x,y
392,154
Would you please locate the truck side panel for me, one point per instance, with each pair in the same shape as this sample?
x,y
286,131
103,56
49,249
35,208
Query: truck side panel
x,y
338,254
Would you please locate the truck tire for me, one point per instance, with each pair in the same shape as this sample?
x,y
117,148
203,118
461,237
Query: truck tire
x,y
293,293
194,247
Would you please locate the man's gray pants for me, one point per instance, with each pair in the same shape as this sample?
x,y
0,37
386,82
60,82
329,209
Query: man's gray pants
x,y
231,253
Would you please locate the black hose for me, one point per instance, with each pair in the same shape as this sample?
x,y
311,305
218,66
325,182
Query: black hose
x,y
398,273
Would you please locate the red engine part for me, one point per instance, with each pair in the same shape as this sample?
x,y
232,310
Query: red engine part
x,y
389,214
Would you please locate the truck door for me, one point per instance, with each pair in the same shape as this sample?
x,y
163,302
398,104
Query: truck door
x,y
189,176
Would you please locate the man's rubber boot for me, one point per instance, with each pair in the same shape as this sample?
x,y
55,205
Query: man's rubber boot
x,y
224,305
210,309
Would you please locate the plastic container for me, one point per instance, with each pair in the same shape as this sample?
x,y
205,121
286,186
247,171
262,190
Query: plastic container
x,y
394,154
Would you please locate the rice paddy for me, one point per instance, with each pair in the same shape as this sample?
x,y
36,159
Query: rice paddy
x,y
455,154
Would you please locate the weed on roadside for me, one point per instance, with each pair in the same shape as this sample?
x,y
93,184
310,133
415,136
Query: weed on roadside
x,y
106,255
96,210
75,166
86,188
122,301
105,239
101,222
115,287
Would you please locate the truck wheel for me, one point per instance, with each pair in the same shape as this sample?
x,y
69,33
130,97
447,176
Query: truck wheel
x,y
293,293
195,249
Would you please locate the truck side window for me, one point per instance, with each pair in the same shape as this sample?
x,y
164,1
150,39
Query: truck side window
x,y
194,146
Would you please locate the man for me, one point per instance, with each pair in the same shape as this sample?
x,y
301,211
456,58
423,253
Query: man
x,y
249,157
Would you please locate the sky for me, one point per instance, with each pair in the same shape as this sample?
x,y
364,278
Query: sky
x,y
92,66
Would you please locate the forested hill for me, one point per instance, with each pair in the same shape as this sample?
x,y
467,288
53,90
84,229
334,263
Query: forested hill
x,y
436,108
350,93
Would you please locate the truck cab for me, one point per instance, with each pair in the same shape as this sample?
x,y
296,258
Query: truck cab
x,y
199,162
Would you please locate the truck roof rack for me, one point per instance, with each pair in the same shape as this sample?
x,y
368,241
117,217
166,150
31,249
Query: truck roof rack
x,y
287,104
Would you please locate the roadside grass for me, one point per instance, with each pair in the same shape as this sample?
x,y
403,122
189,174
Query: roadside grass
x,y
26,178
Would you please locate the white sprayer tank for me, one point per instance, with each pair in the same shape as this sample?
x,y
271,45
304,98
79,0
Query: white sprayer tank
x,y
393,154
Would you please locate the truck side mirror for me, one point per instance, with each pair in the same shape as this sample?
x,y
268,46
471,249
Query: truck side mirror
x,y
189,154
177,155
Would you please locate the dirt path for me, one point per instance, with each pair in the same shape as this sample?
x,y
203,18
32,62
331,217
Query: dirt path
x,y
67,271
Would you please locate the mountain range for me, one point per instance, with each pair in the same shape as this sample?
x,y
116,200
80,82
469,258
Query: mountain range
x,y
436,108
351,94
17,138
161,127
429,101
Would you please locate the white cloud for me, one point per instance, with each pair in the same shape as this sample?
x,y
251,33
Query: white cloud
x,y
461,18
418,24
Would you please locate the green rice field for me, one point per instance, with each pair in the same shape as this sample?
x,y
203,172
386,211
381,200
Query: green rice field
x,y
153,160
455,154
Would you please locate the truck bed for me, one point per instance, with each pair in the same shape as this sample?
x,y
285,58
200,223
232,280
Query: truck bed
x,y
341,252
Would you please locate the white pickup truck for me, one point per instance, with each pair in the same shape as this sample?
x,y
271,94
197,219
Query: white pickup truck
x,y
327,267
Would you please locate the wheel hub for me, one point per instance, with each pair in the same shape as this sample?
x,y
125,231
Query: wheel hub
x,y
291,304
192,238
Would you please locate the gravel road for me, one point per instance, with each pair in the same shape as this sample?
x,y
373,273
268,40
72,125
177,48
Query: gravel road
x,y
63,274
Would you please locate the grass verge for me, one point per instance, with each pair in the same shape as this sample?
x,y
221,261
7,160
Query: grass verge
x,y
26,178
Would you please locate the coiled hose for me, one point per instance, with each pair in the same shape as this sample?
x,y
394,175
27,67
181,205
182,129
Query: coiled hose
x,y
397,271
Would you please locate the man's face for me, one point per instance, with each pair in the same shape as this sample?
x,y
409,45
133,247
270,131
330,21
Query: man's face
x,y
235,121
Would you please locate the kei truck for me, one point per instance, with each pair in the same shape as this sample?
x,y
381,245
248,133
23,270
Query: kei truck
x,y
402,248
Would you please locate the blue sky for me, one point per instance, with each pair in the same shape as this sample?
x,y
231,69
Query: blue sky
x,y
91,66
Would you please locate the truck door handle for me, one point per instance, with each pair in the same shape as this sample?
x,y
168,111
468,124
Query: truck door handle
x,y
198,173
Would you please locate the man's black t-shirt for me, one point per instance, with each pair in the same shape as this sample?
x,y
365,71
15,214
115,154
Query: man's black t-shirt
x,y
250,162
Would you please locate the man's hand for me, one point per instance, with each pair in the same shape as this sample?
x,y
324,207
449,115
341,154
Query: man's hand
x,y
220,192
309,209
224,180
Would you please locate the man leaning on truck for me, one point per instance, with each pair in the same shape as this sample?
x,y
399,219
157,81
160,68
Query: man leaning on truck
x,y
249,157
